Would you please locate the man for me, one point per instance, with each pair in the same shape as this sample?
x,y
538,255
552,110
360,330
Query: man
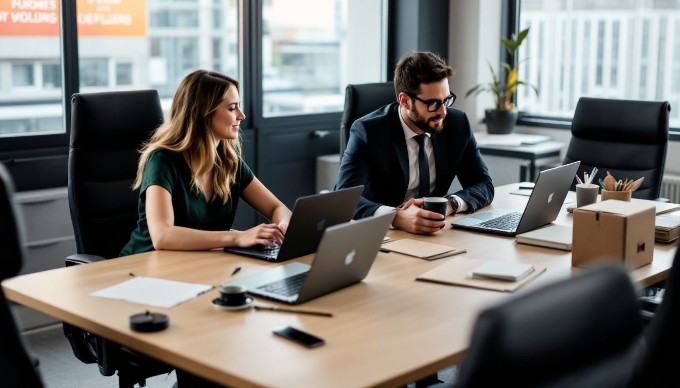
x,y
383,151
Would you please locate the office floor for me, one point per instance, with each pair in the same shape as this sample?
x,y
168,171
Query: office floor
x,y
60,369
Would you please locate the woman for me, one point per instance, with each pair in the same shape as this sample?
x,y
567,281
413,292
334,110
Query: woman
x,y
191,175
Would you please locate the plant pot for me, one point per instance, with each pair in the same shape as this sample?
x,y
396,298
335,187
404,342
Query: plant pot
x,y
500,122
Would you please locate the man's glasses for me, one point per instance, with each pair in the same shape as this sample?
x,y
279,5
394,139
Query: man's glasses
x,y
434,104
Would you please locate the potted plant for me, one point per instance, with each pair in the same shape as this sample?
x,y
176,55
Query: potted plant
x,y
501,119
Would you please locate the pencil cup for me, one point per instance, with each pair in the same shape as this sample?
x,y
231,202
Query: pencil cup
x,y
436,204
620,195
586,193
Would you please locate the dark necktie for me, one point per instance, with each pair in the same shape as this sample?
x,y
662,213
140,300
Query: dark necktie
x,y
423,168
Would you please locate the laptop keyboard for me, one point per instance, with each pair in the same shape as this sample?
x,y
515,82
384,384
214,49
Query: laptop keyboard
x,y
287,287
270,252
507,222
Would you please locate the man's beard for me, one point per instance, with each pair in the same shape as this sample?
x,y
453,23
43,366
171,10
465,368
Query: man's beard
x,y
419,122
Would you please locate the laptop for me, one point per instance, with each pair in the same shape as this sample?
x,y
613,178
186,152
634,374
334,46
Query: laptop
x,y
345,255
311,215
545,202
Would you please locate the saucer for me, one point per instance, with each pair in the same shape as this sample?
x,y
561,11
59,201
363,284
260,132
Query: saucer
x,y
217,303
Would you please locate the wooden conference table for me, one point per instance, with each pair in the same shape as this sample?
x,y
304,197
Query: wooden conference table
x,y
386,331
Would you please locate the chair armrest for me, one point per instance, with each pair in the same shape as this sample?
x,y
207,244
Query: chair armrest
x,y
648,306
81,258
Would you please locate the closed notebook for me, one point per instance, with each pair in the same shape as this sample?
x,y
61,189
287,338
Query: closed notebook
x,y
421,249
667,227
502,270
457,272
551,236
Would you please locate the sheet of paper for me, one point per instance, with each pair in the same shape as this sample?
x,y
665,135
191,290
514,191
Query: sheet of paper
x,y
153,292
511,140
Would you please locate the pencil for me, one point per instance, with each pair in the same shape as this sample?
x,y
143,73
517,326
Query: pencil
x,y
286,310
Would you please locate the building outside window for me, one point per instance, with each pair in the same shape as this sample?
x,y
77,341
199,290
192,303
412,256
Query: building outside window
x,y
625,49
137,44
307,61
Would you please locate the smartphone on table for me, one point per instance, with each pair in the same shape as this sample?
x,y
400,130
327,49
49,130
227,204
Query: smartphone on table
x,y
298,336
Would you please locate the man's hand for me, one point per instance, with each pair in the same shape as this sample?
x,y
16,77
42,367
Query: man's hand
x,y
412,218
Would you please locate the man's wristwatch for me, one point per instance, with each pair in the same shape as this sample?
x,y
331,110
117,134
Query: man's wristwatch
x,y
454,203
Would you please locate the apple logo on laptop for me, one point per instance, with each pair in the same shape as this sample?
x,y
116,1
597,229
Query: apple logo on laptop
x,y
349,258
550,197
321,225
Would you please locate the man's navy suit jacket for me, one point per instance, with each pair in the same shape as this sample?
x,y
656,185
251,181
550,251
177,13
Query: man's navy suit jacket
x,y
376,157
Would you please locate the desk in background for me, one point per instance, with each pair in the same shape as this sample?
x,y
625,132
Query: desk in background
x,y
386,331
530,148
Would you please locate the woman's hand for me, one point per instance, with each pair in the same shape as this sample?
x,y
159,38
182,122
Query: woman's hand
x,y
265,234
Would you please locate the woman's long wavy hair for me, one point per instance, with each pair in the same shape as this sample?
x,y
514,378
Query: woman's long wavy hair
x,y
187,131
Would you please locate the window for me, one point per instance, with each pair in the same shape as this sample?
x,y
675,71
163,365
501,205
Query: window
x,y
94,73
123,74
180,37
22,75
30,74
51,76
599,48
307,57
308,61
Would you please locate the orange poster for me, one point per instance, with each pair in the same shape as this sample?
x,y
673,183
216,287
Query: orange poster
x,y
95,18
29,17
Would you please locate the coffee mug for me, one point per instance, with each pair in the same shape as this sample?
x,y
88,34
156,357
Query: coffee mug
x,y
436,204
232,295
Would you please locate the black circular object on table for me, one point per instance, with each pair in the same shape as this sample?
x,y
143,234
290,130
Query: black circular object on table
x,y
149,322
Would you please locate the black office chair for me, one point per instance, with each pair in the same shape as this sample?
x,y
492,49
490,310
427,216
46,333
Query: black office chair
x,y
661,339
361,99
17,368
625,137
580,332
107,131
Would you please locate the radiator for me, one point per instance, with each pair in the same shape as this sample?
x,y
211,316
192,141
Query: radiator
x,y
670,187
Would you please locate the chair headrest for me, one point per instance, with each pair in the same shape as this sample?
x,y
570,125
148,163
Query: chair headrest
x,y
635,121
122,118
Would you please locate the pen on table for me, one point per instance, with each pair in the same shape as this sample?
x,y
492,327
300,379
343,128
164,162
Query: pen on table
x,y
385,250
285,310
206,291
235,271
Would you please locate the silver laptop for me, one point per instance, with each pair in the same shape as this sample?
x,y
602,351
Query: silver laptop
x,y
311,216
344,257
544,205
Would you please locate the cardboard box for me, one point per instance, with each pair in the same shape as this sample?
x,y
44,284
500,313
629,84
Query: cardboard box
x,y
613,231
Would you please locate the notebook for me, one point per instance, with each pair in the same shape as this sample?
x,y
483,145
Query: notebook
x,y
421,249
502,270
667,227
345,255
544,205
550,236
311,216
